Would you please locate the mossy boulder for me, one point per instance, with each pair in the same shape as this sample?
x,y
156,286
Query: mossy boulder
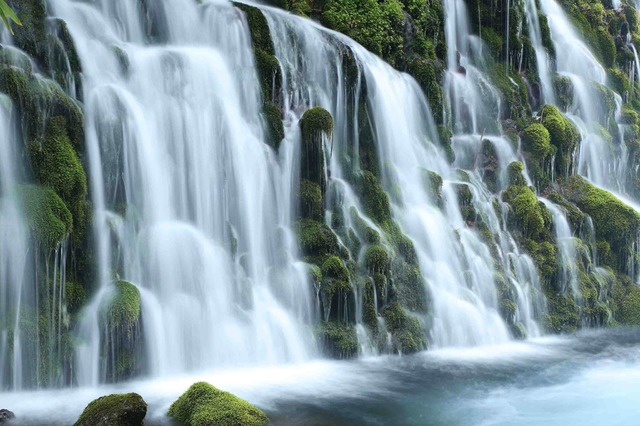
x,y
515,174
316,239
316,124
114,410
337,339
47,215
406,329
432,183
564,136
124,308
615,222
205,405
311,200
377,259
528,212
374,199
536,140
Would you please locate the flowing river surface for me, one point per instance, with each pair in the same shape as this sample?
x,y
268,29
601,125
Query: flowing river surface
x,y
588,379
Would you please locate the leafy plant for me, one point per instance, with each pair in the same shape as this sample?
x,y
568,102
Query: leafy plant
x,y
8,14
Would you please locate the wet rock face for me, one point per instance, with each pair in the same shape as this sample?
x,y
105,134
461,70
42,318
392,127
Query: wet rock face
x,y
6,416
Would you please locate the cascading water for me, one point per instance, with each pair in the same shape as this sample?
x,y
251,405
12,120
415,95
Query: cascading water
x,y
542,56
174,135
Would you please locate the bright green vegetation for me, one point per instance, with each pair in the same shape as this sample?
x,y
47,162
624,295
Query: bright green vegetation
x,y
616,223
7,14
47,215
315,124
205,405
536,139
339,340
114,410
406,329
563,136
124,308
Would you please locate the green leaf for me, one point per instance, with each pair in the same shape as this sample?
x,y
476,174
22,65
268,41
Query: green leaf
x,y
7,13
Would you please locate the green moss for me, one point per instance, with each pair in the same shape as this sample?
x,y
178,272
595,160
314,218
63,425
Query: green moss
x,y
564,136
47,215
564,91
407,332
433,185
338,340
316,239
563,314
528,212
615,222
124,308
273,121
409,286
377,259
631,307
429,74
515,173
334,268
205,405
75,296
536,140
377,25
114,410
375,201
311,200
315,124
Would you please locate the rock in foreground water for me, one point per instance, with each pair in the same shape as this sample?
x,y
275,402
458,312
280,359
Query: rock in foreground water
x,y
114,410
205,405
6,416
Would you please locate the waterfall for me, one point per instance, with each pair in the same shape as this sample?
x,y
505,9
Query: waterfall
x,y
174,133
542,56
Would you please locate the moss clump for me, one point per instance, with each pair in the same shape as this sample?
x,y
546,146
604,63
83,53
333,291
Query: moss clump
x,y
377,259
375,201
408,336
536,140
527,211
564,136
564,316
631,308
334,268
124,308
311,200
316,239
514,171
429,73
49,218
315,124
205,405
433,185
615,222
338,340
56,165
114,410
377,25
75,296
273,122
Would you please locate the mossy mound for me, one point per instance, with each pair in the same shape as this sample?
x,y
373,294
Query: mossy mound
x,y
311,200
408,335
536,140
48,217
315,124
377,260
564,136
205,405
338,340
528,212
114,410
124,308
616,223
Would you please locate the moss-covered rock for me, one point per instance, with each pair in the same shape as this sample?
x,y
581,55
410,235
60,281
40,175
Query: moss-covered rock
x,y
528,212
338,340
316,124
124,308
564,136
374,199
407,332
615,222
114,410
316,239
205,405
433,185
536,140
47,215
377,259
311,201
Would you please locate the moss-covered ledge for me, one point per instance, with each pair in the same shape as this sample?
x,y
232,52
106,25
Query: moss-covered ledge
x,y
616,223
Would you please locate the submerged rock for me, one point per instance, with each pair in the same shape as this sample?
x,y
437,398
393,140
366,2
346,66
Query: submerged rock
x,y
6,416
205,405
114,410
